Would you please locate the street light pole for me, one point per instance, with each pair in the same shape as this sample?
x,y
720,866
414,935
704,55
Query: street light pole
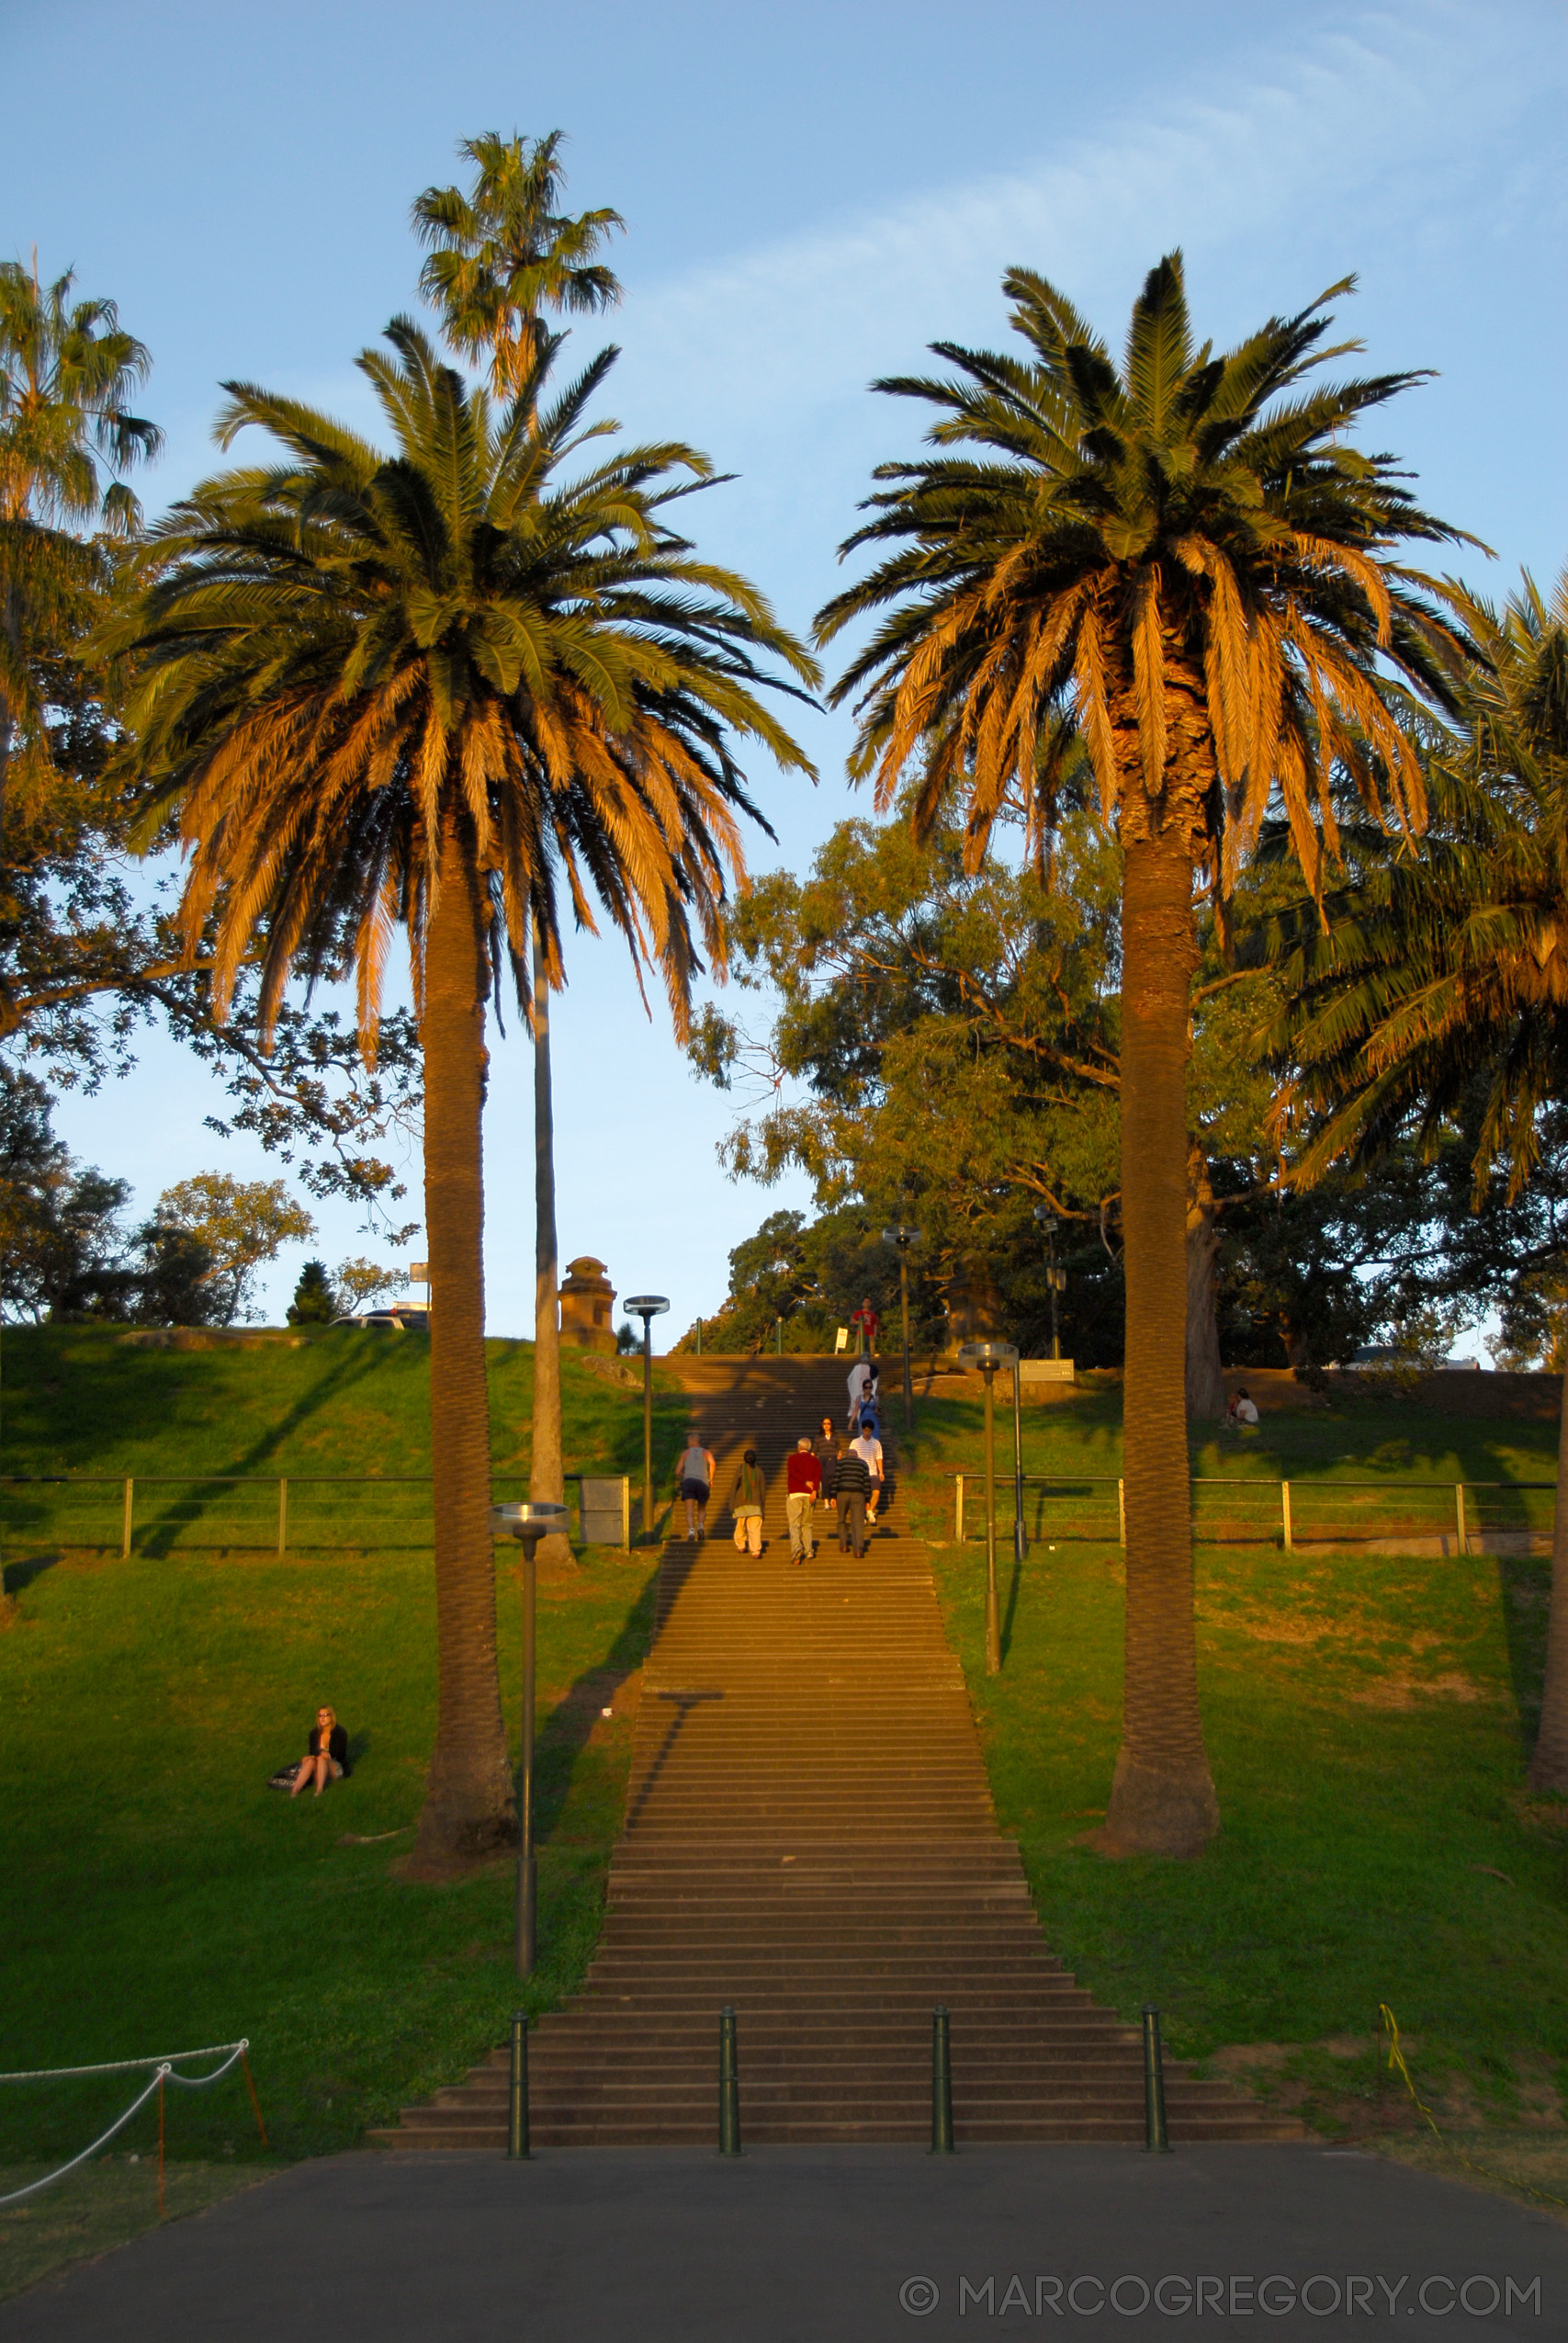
x,y
901,1239
648,1306
1047,1219
527,1525
985,1358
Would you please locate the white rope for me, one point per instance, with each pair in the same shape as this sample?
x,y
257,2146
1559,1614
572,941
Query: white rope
x,y
125,2065
165,2074
33,2186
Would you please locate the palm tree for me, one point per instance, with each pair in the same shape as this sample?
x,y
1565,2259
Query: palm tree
x,y
1440,978
498,256
1186,553
67,369
421,688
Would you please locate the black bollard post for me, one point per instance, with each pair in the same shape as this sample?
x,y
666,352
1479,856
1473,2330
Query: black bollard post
x,y
942,2084
517,2099
728,2086
1155,2136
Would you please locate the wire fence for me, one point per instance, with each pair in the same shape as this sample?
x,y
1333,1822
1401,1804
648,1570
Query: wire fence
x,y
1427,1516
161,1513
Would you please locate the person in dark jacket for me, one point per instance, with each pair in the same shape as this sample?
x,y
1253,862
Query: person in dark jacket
x,y
851,1486
326,1758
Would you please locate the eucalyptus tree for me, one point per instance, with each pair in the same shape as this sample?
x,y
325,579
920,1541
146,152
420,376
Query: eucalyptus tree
x,y
67,372
425,688
1189,552
499,254
1436,993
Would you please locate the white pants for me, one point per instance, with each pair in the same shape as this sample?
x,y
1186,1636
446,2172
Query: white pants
x,y
749,1533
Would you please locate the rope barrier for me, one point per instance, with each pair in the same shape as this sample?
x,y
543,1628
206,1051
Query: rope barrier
x,y
165,2074
122,2065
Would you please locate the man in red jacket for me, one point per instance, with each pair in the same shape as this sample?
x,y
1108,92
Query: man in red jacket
x,y
803,1479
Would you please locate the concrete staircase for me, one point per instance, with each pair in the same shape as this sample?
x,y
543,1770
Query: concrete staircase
x,y
809,1835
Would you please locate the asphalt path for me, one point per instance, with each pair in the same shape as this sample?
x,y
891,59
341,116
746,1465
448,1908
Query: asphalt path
x,y
826,2246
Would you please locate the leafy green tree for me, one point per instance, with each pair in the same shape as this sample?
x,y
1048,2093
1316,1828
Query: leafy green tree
x,y
426,687
314,1303
362,1283
1188,551
241,1225
1442,985
500,255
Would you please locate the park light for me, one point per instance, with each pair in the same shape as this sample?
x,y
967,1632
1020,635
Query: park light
x,y
648,1306
527,1523
901,1238
1056,1278
986,1359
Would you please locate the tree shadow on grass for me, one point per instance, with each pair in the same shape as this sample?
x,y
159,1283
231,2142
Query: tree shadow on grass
x,y
17,1576
1524,1588
180,1512
565,1733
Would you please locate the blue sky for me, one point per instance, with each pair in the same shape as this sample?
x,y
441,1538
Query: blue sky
x,y
811,193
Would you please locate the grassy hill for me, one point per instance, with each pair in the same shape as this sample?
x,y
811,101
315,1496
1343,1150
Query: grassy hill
x,y
320,1406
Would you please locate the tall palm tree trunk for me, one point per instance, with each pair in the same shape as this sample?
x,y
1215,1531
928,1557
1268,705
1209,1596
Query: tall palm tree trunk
x,y
547,1471
468,1808
1205,1376
1549,1765
1162,1801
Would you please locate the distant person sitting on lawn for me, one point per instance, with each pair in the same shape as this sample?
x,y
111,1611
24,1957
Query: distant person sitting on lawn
x,y
1243,1410
326,1760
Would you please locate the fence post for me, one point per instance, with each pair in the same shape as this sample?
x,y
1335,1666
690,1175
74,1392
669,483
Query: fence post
x,y
958,1508
728,2085
125,1533
1285,1514
1458,1516
1156,2137
941,2083
282,1517
1121,1512
517,2090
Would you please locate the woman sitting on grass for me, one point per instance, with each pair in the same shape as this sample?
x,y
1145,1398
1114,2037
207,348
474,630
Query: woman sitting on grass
x,y
326,1760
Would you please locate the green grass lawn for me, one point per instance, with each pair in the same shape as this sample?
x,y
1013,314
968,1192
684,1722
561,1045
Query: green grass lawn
x,y
160,1897
92,1400
1368,1718
1387,1441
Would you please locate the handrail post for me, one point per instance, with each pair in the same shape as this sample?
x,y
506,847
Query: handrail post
x,y
1459,1515
1155,2135
958,1508
1285,1515
941,2083
517,2090
282,1515
130,1506
728,2085
1121,1512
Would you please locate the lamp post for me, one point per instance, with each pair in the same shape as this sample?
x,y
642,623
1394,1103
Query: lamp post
x,y
527,1525
901,1239
648,1306
985,1358
1057,1278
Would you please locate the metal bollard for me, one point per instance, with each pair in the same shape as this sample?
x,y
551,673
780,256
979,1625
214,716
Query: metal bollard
x,y
517,2099
1155,2135
942,2084
728,2086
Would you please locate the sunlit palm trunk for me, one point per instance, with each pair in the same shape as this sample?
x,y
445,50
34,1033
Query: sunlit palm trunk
x,y
1205,1376
546,1481
1162,1801
1549,1765
468,1801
